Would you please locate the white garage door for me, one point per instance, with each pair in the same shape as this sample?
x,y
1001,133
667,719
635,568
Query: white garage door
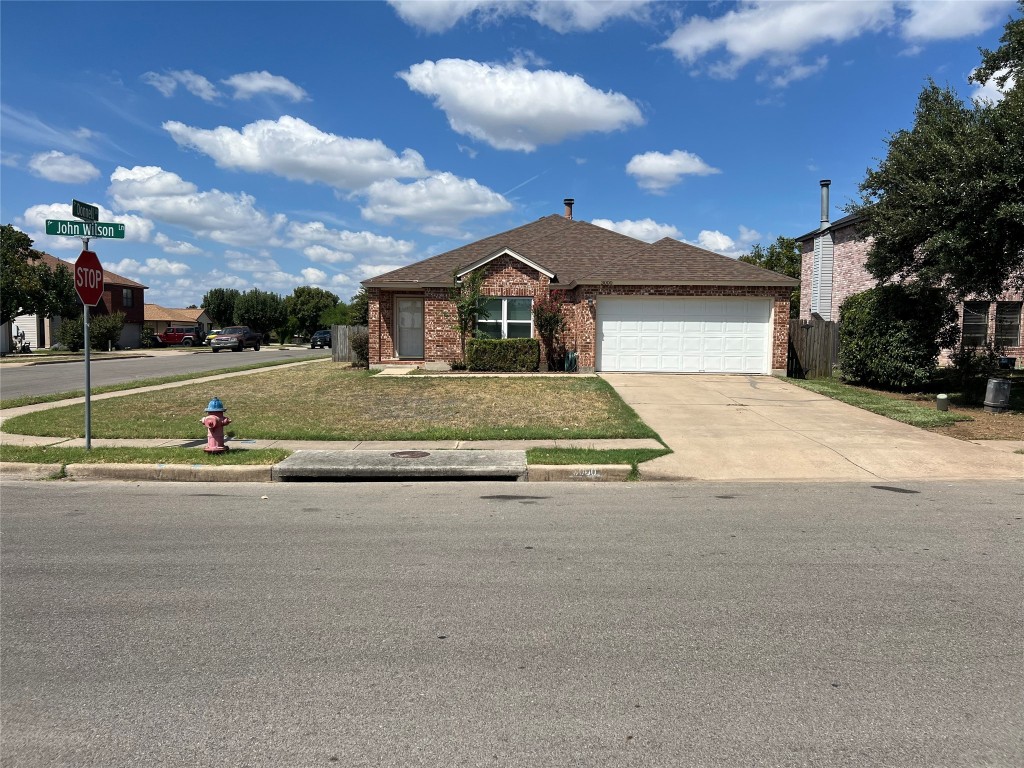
x,y
684,335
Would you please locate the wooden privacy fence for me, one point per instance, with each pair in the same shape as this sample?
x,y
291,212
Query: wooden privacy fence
x,y
341,350
813,348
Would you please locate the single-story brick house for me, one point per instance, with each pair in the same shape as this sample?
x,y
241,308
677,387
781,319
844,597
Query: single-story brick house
x,y
120,294
832,268
158,318
629,305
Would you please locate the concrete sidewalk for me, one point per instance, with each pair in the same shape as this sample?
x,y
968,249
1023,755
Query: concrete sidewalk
x,y
763,428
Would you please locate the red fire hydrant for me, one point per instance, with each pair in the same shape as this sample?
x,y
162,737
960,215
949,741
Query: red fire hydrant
x,y
215,421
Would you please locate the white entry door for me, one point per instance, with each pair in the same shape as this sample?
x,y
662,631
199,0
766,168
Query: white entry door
x,y
410,328
699,335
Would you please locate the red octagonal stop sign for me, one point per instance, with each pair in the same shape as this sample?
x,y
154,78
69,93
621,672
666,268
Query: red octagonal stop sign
x,y
89,278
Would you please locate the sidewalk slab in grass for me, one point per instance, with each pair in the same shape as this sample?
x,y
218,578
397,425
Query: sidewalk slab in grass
x,y
412,464
396,370
17,470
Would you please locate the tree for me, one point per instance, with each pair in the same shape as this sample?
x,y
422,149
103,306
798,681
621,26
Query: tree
x,y
27,285
219,304
782,256
550,322
339,314
469,303
306,305
359,309
262,311
946,205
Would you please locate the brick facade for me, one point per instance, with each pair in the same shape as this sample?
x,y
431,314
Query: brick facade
x,y
506,276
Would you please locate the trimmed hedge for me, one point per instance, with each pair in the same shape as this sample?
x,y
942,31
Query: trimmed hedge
x,y
509,355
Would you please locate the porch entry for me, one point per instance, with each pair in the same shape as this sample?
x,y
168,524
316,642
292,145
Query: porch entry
x,y
410,328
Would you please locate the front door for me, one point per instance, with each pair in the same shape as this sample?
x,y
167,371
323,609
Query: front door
x,y
410,328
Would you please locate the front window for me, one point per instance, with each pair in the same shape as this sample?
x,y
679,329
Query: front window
x,y
127,299
507,319
1008,323
975,332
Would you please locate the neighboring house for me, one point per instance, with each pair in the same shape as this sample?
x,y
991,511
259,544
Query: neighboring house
x,y
119,295
629,305
159,318
832,267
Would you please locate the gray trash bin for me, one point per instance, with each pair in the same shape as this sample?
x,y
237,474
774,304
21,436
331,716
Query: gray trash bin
x,y
997,395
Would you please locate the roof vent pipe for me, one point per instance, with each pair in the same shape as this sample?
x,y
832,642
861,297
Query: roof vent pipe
x,y
568,207
824,203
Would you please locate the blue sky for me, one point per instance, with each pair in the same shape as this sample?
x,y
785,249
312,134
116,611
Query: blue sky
x,y
271,145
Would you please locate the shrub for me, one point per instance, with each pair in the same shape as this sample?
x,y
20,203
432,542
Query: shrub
x,y
71,333
105,330
147,339
359,343
517,355
550,322
969,366
890,336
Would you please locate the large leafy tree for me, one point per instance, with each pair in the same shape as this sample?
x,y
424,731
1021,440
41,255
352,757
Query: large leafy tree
x,y
307,305
262,311
946,205
359,309
29,286
219,304
782,256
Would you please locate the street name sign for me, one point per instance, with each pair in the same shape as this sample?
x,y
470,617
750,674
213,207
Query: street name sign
x,y
89,278
84,228
84,211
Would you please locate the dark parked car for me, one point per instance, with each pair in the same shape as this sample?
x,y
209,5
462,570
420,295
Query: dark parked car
x,y
320,339
236,338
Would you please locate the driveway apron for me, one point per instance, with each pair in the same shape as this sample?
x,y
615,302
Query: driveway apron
x,y
763,428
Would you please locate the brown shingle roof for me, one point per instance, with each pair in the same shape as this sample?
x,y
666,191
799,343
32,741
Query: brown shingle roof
x,y
154,313
577,251
110,278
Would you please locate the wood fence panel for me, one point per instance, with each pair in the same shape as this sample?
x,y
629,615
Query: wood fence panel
x,y
341,349
813,349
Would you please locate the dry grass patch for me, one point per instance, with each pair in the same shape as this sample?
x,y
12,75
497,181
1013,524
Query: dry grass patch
x,y
328,403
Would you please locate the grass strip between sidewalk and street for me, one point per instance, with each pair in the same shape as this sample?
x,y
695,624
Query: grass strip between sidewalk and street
x,y
17,402
327,402
562,456
56,454
917,413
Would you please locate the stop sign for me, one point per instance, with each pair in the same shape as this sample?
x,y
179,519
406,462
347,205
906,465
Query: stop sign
x,y
89,278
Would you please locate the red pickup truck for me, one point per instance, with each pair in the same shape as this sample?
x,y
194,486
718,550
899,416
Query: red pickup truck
x,y
187,336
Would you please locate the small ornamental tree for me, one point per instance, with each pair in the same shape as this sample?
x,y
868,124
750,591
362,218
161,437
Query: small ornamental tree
x,y
467,296
550,322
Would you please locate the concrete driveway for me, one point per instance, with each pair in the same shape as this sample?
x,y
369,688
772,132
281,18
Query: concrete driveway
x,y
763,428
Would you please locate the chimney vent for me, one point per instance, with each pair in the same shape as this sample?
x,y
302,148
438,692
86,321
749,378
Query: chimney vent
x,y
568,207
824,203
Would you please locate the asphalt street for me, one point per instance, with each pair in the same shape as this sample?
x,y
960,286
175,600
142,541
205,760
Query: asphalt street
x,y
17,381
512,624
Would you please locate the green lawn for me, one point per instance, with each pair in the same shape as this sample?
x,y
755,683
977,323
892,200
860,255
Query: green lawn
x,y
906,411
187,456
326,402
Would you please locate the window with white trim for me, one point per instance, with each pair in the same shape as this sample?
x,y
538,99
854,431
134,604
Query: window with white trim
x,y
508,318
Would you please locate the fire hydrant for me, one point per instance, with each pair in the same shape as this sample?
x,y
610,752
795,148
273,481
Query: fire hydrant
x,y
215,421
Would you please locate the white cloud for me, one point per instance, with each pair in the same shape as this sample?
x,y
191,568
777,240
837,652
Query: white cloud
x,y
560,15
990,92
249,84
137,229
159,267
719,242
366,271
438,204
176,247
647,230
294,149
195,84
26,127
656,171
951,19
798,72
330,246
221,216
246,262
67,169
511,107
314,276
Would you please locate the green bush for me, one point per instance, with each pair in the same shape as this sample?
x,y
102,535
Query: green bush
x,y
105,330
71,333
515,355
359,342
890,336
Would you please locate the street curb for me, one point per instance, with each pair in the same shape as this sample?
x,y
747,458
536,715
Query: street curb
x,y
20,470
590,473
190,473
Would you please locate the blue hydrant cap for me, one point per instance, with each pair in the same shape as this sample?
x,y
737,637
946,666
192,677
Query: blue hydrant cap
x,y
216,405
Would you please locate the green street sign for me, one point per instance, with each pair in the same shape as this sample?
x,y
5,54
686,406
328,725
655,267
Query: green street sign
x,y
84,228
84,211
